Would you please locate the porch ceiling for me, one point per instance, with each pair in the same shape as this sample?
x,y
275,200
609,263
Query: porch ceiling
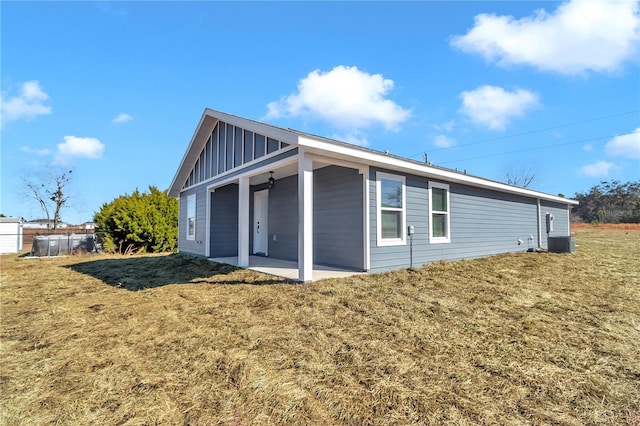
x,y
281,173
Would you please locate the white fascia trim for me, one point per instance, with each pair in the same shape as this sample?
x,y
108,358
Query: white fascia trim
x,y
397,164
254,126
439,240
386,242
189,157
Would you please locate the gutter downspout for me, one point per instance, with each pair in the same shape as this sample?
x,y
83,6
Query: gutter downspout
x,y
539,225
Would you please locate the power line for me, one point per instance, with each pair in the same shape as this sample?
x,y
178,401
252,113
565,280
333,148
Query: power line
x,y
529,132
535,148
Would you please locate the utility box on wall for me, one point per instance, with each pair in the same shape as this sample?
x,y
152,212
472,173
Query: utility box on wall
x,y
562,244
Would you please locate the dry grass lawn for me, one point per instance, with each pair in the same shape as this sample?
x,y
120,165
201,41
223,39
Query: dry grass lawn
x,y
512,339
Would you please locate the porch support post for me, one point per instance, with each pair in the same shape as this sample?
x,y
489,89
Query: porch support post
x,y
243,222
305,218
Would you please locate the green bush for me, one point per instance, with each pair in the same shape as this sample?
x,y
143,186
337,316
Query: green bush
x,y
140,222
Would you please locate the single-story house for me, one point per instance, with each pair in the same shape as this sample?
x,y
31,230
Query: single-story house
x,y
43,224
248,188
10,235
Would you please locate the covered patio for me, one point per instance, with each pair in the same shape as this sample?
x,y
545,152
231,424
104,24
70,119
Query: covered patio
x,y
286,268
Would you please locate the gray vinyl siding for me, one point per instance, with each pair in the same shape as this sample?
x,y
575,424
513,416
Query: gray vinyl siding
x,y
224,222
283,219
196,246
482,223
338,234
337,217
560,214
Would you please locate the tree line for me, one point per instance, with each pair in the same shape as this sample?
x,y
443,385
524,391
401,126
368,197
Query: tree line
x,y
609,202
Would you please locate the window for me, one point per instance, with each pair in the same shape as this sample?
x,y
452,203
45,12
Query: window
x,y
439,213
391,203
191,217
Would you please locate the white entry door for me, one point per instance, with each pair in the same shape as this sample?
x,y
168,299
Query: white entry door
x,y
260,222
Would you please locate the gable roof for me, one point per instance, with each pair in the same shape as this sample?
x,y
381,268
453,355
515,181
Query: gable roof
x,y
338,149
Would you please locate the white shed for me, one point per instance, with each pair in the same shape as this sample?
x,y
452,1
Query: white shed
x,y
10,235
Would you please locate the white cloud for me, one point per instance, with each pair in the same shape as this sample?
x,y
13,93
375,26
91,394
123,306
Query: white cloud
x,y
122,118
588,147
599,169
445,127
625,145
493,106
355,137
39,152
27,105
345,97
74,147
577,37
443,141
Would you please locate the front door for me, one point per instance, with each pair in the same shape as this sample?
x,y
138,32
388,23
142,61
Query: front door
x,y
260,222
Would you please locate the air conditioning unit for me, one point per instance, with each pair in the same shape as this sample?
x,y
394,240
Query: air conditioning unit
x,y
562,244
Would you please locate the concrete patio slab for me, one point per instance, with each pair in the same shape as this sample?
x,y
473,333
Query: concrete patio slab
x,y
286,268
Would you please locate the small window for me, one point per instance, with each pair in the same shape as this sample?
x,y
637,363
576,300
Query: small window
x,y
272,145
439,213
391,203
260,146
191,217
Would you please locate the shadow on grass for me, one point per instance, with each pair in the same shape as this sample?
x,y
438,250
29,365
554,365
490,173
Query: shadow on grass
x,y
144,272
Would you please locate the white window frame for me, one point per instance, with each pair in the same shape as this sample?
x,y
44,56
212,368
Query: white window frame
x,y
382,242
191,213
447,238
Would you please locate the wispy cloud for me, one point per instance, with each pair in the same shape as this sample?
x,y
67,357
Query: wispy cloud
x,y
37,151
598,169
445,127
578,36
345,97
494,107
122,118
354,137
75,147
443,141
28,104
625,145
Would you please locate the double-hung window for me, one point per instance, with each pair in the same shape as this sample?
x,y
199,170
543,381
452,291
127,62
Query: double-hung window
x,y
391,203
439,213
191,217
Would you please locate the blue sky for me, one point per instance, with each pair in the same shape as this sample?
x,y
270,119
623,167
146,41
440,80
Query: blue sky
x,y
114,90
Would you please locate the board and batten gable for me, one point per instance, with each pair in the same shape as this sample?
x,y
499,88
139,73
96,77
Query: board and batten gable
x,y
482,223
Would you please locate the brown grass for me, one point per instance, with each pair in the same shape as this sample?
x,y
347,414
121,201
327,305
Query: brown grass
x,y
514,339
624,226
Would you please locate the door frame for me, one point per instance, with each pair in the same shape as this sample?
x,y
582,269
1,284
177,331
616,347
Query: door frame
x,y
264,227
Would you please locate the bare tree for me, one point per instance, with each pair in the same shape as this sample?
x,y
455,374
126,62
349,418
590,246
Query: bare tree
x,y
50,193
520,175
